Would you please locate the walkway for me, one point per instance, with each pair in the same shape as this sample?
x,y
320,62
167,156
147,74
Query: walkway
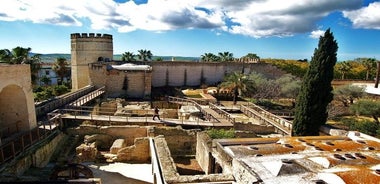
x,y
281,125
88,97
211,111
81,115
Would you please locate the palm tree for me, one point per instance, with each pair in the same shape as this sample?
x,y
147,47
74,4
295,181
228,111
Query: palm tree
x,y
145,55
128,56
35,66
61,68
250,57
344,68
18,55
237,82
209,57
369,64
226,56
5,56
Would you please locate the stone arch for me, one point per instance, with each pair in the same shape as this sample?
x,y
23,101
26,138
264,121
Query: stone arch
x,y
14,116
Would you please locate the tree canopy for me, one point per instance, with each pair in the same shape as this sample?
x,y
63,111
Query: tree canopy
x,y
316,89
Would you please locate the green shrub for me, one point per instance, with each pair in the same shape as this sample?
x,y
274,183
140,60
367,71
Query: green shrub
x,y
367,127
221,133
60,89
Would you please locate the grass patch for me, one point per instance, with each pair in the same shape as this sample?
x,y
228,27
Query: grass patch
x,y
221,133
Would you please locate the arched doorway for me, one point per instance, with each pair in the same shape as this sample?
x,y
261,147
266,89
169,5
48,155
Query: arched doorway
x,y
13,111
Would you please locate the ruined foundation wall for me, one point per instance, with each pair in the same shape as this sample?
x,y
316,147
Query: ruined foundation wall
x,y
129,133
137,153
258,129
204,148
170,173
180,141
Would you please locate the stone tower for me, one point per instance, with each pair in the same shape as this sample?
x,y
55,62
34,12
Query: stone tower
x,y
85,49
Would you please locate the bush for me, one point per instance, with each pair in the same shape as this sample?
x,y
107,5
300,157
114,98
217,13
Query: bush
x,y
60,89
221,133
364,126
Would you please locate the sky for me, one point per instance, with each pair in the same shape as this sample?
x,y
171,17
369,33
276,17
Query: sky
x,y
283,29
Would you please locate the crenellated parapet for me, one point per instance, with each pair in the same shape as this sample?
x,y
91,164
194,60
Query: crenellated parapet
x,y
90,35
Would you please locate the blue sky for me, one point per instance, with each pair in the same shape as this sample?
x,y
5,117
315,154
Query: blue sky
x,y
269,28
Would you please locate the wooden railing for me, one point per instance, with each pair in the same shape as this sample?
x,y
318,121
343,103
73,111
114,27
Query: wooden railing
x,y
88,97
221,112
281,124
45,107
11,147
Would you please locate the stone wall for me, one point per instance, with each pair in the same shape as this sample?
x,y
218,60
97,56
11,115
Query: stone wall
x,y
191,73
204,149
132,84
17,110
128,133
36,156
243,173
180,141
256,128
137,153
170,173
137,84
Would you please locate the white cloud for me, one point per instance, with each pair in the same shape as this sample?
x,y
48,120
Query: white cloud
x,y
255,18
317,33
366,17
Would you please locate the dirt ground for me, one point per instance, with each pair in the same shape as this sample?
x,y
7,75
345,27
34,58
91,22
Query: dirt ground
x,y
188,166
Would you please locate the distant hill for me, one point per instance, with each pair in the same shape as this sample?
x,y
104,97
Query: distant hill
x,y
49,58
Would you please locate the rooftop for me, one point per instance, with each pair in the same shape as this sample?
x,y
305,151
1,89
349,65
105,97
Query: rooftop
x,y
354,158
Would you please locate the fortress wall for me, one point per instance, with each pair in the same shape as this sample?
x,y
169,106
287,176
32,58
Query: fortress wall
x,y
190,73
17,110
133,84
114,83
136,83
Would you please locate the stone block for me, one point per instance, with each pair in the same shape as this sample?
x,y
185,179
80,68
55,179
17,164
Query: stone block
x,y
117,145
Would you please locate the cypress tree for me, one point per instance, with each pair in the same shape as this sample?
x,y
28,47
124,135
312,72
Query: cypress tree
x,y
316,90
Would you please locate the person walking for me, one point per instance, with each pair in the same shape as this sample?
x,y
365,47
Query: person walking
x,y
156,113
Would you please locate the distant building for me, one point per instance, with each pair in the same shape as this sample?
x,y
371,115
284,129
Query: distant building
x,y
47,70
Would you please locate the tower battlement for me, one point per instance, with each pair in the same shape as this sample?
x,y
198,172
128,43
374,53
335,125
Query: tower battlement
x,y
87,48
90,35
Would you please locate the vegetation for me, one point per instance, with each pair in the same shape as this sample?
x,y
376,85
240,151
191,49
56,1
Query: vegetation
x,y
61,68
236,82
221,133
144,55
367,107
316,89
293,67
225,56
348,93
128,56
42,93
21,55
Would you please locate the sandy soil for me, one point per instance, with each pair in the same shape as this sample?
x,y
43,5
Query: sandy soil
x,y
121,173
